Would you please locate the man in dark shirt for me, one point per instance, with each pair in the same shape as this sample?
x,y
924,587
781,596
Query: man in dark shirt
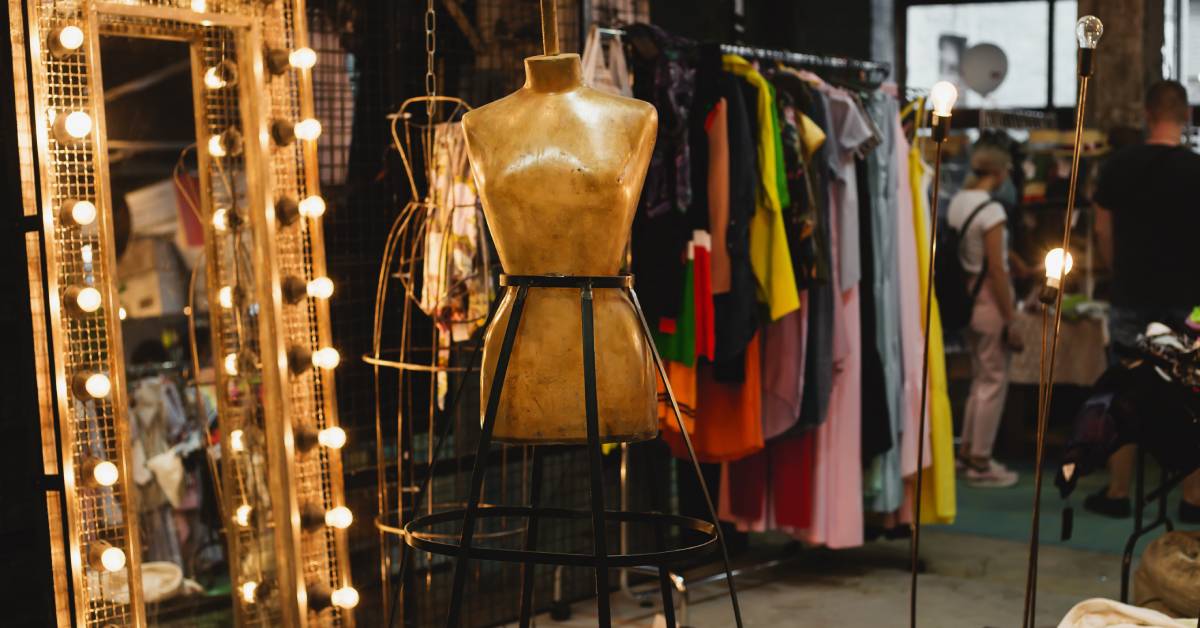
x,y
1148,229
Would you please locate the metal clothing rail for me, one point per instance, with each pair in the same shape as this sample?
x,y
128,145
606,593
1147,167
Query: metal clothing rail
x,y
883,69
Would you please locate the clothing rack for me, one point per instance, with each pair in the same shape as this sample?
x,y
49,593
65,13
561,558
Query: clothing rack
x,y
878,70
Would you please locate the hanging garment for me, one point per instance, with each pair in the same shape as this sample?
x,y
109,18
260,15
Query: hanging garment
x,y
769,254
728,425
876,424
700,251
661,228
852,130
938,497
605,70
1101,613
883,162
718,195
676,337
783,371
912,334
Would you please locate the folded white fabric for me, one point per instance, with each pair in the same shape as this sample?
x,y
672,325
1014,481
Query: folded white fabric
x,y
168,470
1102,613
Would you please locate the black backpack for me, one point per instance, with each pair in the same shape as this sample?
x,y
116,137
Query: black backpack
x,y
955,301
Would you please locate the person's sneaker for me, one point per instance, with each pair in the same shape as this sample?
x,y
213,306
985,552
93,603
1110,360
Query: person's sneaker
x,y
992,475
1189,513
1113,507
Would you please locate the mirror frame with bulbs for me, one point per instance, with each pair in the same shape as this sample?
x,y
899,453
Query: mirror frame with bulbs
x,y
80,363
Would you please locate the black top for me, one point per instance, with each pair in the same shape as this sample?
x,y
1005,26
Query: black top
x,y
1151,191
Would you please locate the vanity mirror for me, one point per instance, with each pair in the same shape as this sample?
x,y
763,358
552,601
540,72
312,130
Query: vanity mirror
x,y
169,154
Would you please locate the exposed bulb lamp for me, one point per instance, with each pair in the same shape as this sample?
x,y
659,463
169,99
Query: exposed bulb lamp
x,y
320,597
249,592
80,213
942,97
332,437
1088,31
241,516
100,473
82,300
237,441
326,358
339,517
308,129
104,557
302,58
231,364
312,207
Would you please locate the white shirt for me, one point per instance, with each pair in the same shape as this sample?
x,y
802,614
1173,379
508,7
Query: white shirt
x,y
971,245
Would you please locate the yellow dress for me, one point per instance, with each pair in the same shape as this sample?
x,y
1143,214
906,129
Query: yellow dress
x,y
769,255
938,501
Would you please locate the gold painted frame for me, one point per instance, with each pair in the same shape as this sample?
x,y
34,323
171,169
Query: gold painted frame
x,y
295,564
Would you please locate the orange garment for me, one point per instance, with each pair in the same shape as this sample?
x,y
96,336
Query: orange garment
x,y
728,421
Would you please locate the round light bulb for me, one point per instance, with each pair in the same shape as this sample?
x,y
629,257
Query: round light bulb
x,y
320,288
77,124
105,473
70,37
326,358
242,515
1088,31
345,597
213,78
113,559
83,213
121,313
312,207
1057,266
199,6
231,364
249,591
309,129
88,299
215,147
237,441
85,252
332,437
220,219
225,297
339,517
97,385
942,97
302,58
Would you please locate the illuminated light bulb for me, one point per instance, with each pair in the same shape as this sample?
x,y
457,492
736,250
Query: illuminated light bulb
x,y
309,129
220,219
332,437
213,79
72,127
302,58
1057,266
225,297
345,597
97,385
85,253
88,299
312,207
320,288
237,441
80,212
231,364
121,313
66,40
215,147
1088,31
326,358
105,473
942,97
242,515
339,518
199,6
102,555
249,591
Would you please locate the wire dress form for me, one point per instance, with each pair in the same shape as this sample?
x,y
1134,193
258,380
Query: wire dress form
x,y
437,257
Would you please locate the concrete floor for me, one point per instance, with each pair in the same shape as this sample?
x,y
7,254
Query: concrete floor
x,y
971,582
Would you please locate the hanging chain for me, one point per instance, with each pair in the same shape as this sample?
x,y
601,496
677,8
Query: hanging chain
x,y
430,49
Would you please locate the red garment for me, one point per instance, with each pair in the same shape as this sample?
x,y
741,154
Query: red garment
x,y
792,463
728,415
706,335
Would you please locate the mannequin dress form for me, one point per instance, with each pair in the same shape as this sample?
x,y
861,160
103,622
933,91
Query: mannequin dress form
x,y
559,169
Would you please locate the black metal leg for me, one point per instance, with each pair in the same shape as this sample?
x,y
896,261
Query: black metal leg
x,y
480,466
599,532
664,580
531,532
712,511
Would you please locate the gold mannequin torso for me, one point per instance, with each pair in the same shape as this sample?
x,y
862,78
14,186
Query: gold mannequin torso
x,y
559,167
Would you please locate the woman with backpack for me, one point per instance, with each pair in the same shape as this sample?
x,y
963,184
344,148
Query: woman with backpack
x,y
979,221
